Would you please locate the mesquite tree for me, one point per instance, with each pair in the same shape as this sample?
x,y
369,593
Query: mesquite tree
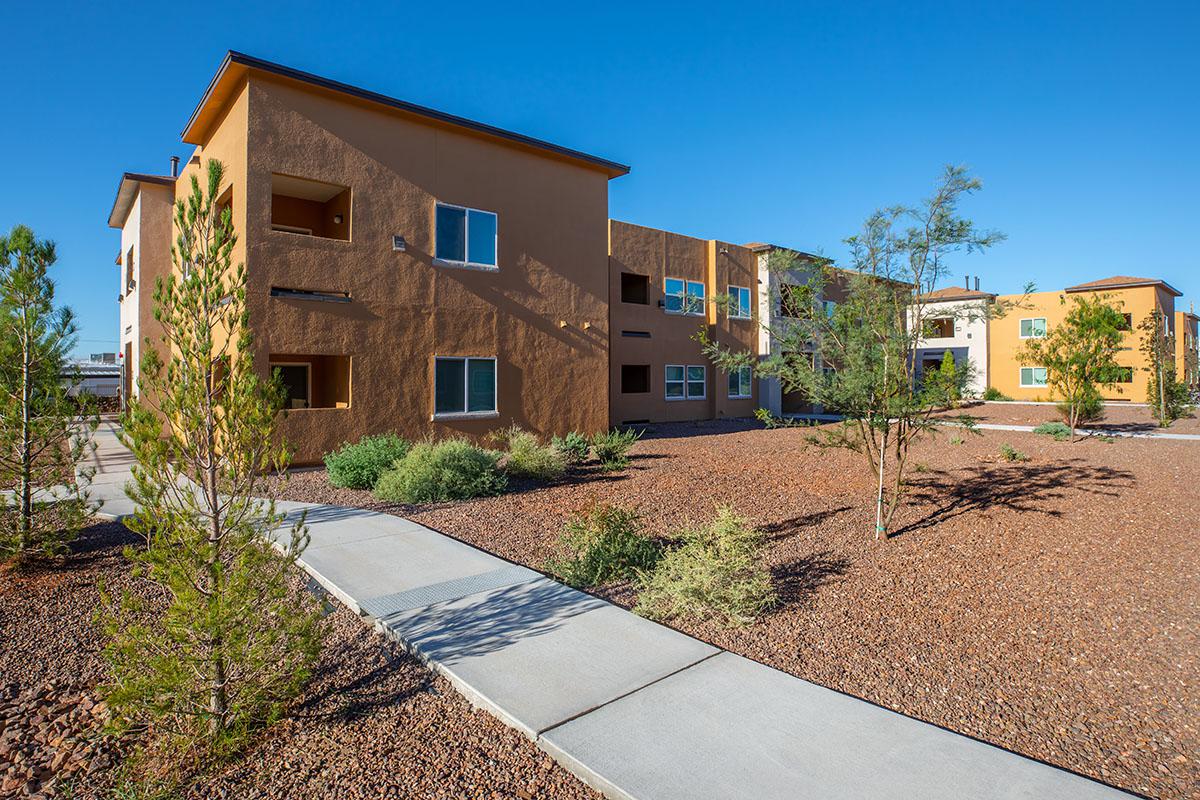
x,y
238,636
44,432
1079,355
1168,396
859,360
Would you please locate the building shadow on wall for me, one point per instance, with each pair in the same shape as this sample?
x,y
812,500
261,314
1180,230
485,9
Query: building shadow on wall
x,y
1029,488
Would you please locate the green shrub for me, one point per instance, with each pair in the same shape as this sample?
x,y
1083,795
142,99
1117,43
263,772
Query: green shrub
x,y
450,470
1091,408
529,458
602,545
1058,430
358,466
992,393
575,447
612,448
716,572
1011,455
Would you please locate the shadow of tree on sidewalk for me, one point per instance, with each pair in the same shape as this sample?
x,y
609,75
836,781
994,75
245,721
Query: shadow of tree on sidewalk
x,y
1017,487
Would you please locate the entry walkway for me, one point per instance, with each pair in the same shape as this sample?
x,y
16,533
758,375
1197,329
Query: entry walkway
x,y
997,426
635,709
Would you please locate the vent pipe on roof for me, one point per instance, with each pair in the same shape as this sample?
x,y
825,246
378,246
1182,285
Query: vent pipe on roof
x,y
977,283
967,283
174,166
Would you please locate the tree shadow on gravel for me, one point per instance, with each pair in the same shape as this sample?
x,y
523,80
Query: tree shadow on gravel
x,y
1029,488
97,543
797,580
363,692
786,528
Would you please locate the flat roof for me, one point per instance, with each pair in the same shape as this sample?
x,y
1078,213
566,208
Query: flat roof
x,y
236,64
126,191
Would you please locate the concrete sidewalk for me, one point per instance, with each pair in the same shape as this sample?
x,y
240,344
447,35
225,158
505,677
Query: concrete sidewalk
x,y
635,709
997,426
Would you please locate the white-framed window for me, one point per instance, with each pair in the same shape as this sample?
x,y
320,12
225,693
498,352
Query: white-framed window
x,y
1033,377
464,386
466,237
685,382
739,302
1033,328
683,297
740,383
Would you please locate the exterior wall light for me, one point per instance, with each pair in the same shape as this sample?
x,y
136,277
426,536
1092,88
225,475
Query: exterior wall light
x,y
337,219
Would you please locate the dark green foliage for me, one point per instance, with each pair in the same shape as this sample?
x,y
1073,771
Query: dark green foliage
x,y
1169,397
1058,430
235,635
715,573
450,470
604,544
358,466
992,393
41,438
945,385
574,447
612,448
1011,455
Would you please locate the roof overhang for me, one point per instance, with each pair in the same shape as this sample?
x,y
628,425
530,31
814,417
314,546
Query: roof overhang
x,y
236,66
127,190
1124,285
957,298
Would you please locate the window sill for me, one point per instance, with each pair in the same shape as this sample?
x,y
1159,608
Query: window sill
x,y
741,397
440,262
317,408
311,236
464,415
683,399
699,314
740,318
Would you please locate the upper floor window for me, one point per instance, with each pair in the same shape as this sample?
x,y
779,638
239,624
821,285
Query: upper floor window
x,y
739,302
940,328
465,236
130,281
796,300
635,288
309,208
1034,328
684,297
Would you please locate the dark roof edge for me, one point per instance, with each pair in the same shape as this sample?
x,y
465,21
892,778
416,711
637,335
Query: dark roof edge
x,y
234,57
135,177
1127,285
954,297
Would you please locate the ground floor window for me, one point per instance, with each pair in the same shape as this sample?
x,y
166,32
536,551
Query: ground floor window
x,y
1033,376
313,381
685,382
635,378
464,385
739,382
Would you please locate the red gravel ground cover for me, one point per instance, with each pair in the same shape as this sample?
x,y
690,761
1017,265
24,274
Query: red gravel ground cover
x,y
1050,607
374,723
1117,417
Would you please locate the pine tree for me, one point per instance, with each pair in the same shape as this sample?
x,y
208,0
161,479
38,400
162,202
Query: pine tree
x,y
239,635
44,432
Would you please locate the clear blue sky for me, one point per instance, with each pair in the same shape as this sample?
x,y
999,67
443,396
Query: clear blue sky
x,y
741,121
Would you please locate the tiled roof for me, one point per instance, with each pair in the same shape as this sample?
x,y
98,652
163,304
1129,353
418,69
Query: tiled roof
x,y
1122,282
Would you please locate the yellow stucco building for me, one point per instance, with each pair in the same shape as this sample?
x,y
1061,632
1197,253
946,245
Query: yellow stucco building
x,y
1040,312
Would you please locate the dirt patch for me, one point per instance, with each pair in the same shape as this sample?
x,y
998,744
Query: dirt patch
x,y
1048,607
373,722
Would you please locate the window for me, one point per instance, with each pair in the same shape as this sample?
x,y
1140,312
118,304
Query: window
x,y
830,308
309,208
739,302
1033,328
1033,376
1124,375
1127,325
685,382
635,378
465,236
635,288
313,381
739,382
684,297
940,328
795,300
464,386
130,282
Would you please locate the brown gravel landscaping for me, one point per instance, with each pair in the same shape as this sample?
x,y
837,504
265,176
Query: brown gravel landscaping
x,y
1050,607
373,724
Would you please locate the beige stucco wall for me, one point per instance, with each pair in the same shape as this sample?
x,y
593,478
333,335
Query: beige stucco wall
x,y
543,314
658,255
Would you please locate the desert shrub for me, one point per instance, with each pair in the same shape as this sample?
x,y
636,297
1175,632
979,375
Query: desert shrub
x,y
529,458
716,572
1090,407
358,466
575,447
992,393
612,448
1011,455
1058,430
601,545
434,472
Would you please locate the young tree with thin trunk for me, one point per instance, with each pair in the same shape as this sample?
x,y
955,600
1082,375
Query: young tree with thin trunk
x,y
1168,396
1079,355
44,432
859,362
238,636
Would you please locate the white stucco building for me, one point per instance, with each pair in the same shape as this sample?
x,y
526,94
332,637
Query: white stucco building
x,y
956,319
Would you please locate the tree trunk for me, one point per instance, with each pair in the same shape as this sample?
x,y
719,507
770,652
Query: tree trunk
x,y
880,530
25,515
